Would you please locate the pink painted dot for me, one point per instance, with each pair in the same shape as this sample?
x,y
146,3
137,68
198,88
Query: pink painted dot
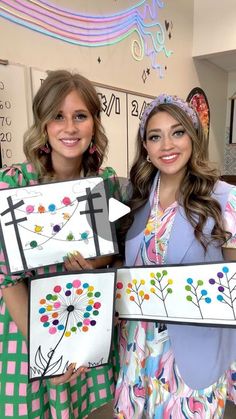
x,y
97,305
44,318
57,288
66,200
52,330
86,321
76,283
57,304
29,209
119,285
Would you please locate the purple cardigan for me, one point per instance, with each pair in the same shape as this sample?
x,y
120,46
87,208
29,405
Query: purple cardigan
x,y
202,354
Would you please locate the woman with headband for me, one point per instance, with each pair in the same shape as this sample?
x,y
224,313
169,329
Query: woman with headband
x,y
181,213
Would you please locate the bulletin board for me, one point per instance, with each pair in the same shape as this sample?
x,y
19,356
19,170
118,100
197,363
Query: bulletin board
x,y
13,113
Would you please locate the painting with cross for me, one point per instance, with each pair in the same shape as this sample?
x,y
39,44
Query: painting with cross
x,y
41,224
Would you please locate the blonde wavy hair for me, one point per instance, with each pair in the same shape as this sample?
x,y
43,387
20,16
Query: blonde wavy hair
x,y
196,187
46,104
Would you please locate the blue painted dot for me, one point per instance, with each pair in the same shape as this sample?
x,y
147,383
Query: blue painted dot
x,y
225,269
220,298
52,207
60,327
204,292
84,235
189,281
208,300
42,310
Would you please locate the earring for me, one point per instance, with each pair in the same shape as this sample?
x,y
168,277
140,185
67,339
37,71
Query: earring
x,y
45,149
92,148
148,159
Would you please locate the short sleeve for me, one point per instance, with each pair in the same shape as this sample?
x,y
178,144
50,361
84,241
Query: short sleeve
x,y
109,175
230,218
11,177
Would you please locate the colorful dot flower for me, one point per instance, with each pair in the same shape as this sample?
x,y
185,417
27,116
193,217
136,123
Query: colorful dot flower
x,y
71,309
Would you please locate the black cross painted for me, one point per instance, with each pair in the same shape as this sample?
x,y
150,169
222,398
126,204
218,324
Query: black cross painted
x,y
16,221
91,211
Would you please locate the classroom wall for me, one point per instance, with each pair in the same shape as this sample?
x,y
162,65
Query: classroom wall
x,y
230,149
124,64
214,27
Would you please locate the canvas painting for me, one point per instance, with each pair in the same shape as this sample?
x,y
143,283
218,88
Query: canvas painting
x,y
70,321
41,224
197,294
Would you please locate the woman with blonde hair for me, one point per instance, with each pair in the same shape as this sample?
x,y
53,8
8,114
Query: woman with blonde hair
x,y
66,141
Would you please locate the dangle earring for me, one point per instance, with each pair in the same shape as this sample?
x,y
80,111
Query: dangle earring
x,y
45,149
92,148
148,159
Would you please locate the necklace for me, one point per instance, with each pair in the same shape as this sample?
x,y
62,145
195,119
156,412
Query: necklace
x,y
166,218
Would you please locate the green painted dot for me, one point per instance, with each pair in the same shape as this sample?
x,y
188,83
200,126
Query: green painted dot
x,y
200,282
33,244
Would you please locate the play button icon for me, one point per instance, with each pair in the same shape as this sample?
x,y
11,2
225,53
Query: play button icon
x,y
116,209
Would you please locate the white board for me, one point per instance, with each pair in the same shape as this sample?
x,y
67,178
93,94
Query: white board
x,y
13,113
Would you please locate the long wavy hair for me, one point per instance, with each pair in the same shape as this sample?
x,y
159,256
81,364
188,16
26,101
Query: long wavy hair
x,y
46,105
195,189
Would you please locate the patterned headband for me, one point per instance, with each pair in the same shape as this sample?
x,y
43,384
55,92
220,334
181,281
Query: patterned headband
x,y
175,100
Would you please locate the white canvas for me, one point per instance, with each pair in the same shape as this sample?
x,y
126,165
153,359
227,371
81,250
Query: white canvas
x,y
202,294
70,320
46,222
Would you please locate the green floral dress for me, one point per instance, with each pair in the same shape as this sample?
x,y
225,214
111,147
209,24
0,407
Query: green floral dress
x,y
18,398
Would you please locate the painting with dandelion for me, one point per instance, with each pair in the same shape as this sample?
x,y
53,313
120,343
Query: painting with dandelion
x,y
41,224
70,320
195,293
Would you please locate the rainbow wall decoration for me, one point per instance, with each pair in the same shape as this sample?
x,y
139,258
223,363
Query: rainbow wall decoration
x,y
141,20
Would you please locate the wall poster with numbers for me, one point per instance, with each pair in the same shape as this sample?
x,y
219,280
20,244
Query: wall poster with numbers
x,y
13,113
136,106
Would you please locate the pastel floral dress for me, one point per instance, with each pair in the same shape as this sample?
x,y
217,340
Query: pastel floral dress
x,y
149,383
18,399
